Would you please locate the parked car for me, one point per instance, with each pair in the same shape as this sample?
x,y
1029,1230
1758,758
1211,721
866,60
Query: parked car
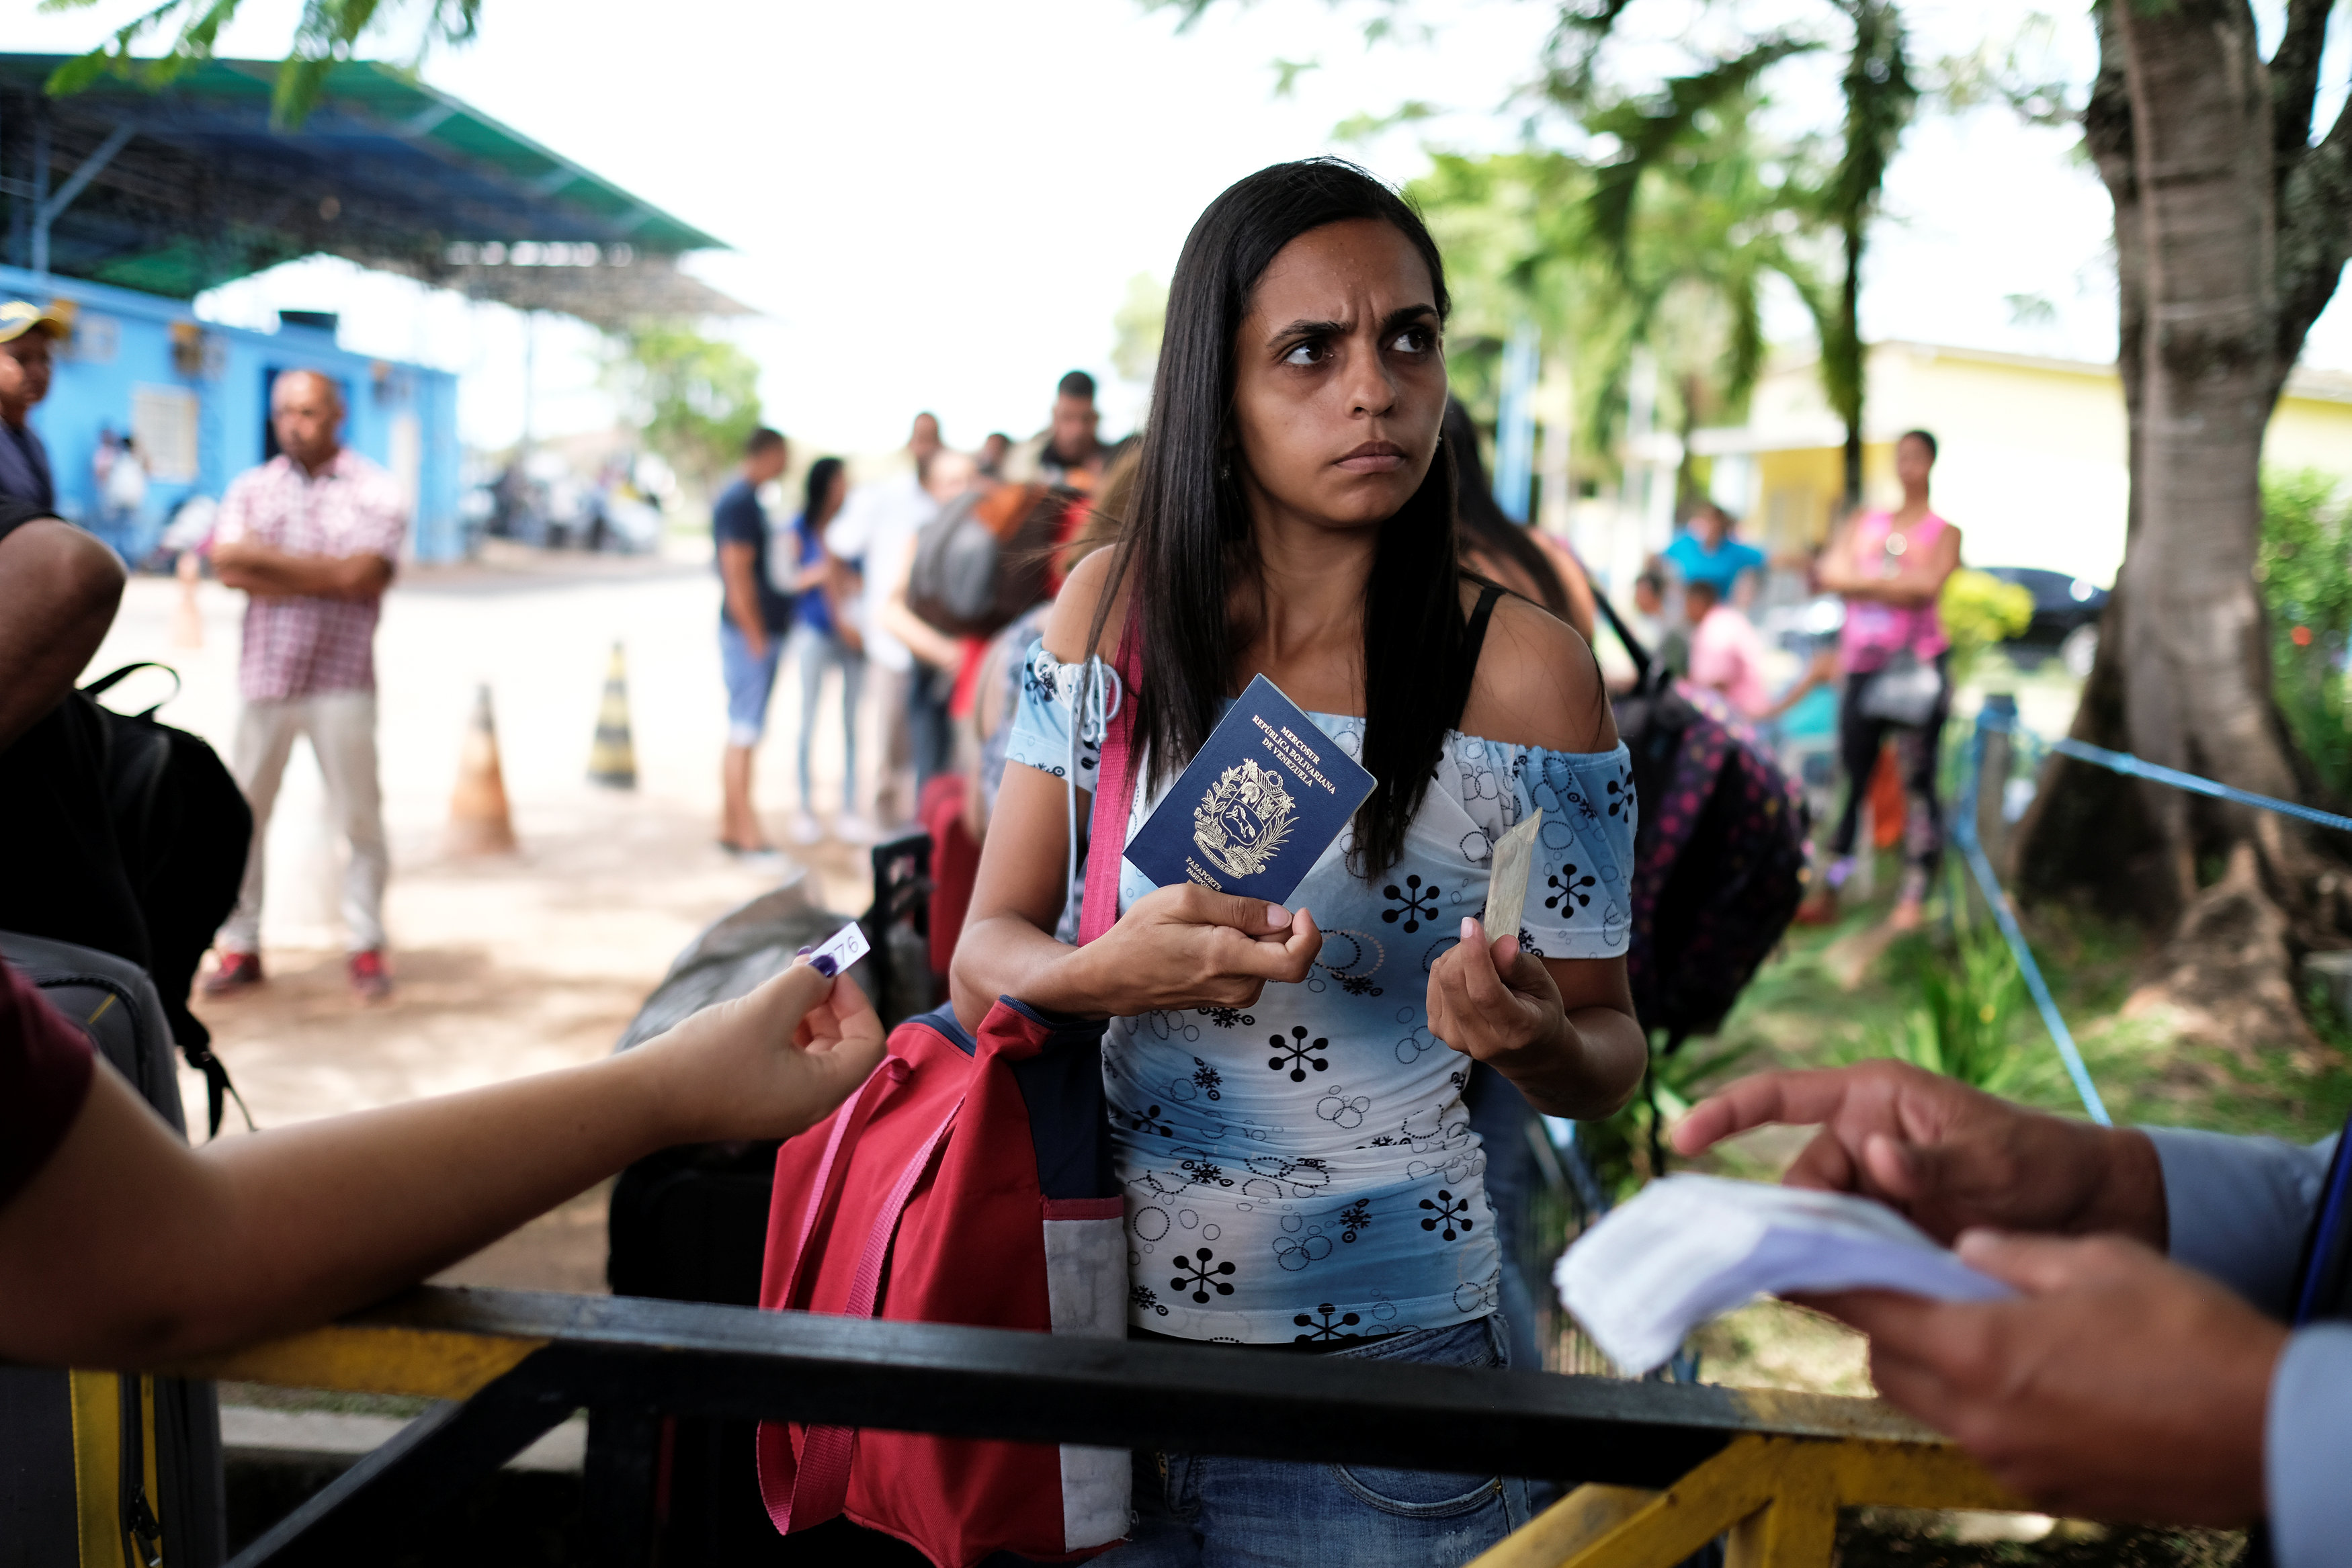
x,y
2066,611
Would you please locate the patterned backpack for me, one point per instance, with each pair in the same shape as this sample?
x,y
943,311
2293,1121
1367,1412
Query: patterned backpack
x,y
1719,858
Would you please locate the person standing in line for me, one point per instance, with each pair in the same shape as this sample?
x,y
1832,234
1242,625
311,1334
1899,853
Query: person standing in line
x,y
1073,454
1727,654
994,450
938,658
311,537
1706,551
876,529
753,617
1293,517
122,493
27,335
820,643
1891,567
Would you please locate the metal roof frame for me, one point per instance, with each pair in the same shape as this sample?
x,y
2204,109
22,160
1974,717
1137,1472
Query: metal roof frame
x,y
174,190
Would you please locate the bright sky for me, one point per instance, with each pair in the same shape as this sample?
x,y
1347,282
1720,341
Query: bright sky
x,y
938,204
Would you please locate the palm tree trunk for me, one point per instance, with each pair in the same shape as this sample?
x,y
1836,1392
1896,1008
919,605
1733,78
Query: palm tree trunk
x,y
1851,346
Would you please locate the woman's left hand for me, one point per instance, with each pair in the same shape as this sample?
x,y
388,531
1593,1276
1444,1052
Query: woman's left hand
x,y
1492,1001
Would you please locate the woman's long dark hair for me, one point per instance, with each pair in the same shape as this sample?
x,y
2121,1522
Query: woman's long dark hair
x,y
1189,542
814,488
1481,520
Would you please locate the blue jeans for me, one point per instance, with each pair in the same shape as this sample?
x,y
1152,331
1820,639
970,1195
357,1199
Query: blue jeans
x,y
816,652
1195,1511
749,682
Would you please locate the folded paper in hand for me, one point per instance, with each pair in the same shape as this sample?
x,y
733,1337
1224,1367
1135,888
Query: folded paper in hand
x,y
1506,888
1690,1248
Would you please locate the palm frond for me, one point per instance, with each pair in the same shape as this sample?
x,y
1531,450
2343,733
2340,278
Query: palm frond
x,y
1648,128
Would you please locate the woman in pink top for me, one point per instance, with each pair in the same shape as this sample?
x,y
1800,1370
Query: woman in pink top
x,y
1891,567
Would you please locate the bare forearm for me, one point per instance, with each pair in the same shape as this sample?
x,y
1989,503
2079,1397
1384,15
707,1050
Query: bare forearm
x,y
58,590
742,593
325,1217
258,569
1005,955
930,644
1594,1069
260,1235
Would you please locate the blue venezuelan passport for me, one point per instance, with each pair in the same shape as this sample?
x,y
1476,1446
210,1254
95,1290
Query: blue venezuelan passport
x,y
1257,807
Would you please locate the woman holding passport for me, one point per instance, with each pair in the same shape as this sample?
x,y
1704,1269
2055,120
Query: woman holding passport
x,y
1286,1079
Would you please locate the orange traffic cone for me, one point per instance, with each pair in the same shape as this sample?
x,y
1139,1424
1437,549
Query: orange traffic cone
x,y
479,822
187,621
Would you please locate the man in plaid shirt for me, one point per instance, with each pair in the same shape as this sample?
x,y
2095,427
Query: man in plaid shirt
x,y
311,536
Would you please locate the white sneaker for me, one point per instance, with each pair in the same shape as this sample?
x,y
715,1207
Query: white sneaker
x,y
852,829
807,829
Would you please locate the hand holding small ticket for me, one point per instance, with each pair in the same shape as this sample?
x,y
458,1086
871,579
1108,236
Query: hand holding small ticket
x,y
838,951
1691,1248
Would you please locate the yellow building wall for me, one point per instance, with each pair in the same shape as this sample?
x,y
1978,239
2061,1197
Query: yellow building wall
x,y
2307,432
2034,456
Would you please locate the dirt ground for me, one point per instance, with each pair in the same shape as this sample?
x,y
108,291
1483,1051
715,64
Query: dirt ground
x,y
510,964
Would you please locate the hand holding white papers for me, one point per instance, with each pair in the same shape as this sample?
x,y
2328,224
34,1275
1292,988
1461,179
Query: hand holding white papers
x,y
1690,1248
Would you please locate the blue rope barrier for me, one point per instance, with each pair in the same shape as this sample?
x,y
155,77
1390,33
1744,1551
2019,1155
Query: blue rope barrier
x,y
2000,713
1964,830
2124,763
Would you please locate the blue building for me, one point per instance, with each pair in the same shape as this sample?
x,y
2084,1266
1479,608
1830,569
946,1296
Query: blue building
x,y
195,397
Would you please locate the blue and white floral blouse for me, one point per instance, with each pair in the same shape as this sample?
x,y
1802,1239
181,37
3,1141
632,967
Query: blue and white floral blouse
x,y
1303,1168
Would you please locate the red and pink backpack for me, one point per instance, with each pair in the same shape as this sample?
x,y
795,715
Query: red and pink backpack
x,y
970,1181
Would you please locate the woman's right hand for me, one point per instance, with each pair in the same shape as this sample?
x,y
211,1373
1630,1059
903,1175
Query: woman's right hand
x,y
1186,946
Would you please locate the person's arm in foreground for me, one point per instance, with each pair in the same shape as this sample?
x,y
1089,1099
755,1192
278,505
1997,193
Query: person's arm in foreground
x,y
253,1236
2118,1384
269,572
58,590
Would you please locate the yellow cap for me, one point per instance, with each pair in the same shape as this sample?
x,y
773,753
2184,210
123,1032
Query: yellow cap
x,y
18,317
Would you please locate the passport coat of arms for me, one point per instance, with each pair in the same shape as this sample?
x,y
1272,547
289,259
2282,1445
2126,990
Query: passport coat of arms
x,y
1242,818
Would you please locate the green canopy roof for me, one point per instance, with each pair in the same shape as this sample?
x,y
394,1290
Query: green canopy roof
x,y
186,186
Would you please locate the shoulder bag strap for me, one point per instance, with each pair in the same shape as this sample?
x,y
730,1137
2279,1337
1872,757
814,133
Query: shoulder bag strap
x,y
1114,799
107,682
819,1483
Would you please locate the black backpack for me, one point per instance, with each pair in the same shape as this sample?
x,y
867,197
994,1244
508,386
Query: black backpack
x,y
77,1450
129,837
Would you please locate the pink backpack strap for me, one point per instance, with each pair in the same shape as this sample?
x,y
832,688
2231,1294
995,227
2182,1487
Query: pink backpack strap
x,y
1114,799
848,1123
815,1482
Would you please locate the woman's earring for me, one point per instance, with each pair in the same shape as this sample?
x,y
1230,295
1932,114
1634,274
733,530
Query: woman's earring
x,y
1226,466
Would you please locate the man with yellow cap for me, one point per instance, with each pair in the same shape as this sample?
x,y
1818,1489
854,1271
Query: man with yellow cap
x,y
27,331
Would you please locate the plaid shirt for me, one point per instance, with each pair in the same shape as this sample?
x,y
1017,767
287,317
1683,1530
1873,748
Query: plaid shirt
x,y
295,646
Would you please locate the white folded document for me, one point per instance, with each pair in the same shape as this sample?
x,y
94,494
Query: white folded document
x,y
1691,1248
